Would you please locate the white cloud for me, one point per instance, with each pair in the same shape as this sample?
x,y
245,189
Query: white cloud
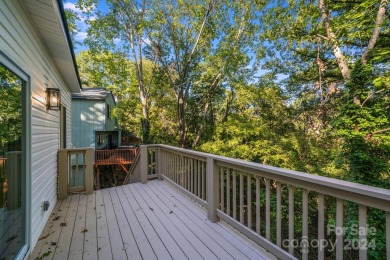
x,y
117,40
81,36
147,41
72,7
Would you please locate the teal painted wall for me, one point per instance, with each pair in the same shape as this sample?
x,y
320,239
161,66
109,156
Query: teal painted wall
x,y
110,123
88,116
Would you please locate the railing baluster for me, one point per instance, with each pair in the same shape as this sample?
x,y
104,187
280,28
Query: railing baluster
x,y
181,168
222,189
182,176
195,177
291,219
267,210
241,198
258,205
69,171
387,235
192,175
185,171
305,224
321,226
167,164
235,194
203,181
278,215
170,166
173,168
189,174
198,170
200,179
154,161
228,191
339,224
249,200
76,175
362,232
150,163
84,169
177,169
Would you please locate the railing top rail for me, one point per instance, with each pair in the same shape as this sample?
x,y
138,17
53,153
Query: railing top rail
x,y
364,194
75,149
117,149
201,155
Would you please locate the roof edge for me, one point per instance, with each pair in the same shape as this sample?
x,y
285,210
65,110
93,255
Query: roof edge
x,y
68,38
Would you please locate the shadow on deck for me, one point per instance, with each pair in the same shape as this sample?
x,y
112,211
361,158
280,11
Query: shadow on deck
x,y
139,221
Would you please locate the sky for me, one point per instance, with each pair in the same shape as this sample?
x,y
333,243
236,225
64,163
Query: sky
x,y
81,23
103,7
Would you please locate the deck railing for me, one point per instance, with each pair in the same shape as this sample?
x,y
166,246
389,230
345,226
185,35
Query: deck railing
x,y
254,198
75,171
115,156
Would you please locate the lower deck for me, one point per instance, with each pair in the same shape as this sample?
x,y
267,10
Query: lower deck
x,y
139,221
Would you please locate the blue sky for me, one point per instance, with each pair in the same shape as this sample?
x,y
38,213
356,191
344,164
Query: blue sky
x,y
81,25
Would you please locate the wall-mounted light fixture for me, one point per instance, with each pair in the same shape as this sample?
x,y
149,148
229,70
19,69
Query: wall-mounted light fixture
x,y
53,100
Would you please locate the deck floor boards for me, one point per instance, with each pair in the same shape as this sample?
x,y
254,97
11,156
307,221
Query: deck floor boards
x,y
139,221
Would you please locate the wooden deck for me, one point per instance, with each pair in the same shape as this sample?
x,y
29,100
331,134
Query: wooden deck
x,y
139,221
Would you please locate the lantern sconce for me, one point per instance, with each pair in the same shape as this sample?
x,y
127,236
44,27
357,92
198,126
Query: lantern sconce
x,y
53,100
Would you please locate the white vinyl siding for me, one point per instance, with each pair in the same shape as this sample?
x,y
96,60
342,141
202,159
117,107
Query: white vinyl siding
x,y
21,43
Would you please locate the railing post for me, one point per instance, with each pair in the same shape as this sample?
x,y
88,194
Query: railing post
x,y
89,171
143,163
62,174
212,189
159,163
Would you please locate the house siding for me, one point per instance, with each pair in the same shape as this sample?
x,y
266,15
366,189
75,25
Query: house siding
x,y
88,116
110,122
20,42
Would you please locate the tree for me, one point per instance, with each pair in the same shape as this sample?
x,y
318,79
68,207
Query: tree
x,y
11,112
198,45
125,21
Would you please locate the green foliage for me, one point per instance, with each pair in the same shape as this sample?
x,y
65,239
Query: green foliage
x,y
204,89
11,109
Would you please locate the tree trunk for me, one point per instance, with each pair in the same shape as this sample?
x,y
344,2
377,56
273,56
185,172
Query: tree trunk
x,y
145,119
202,125
377,28
181,117
340,59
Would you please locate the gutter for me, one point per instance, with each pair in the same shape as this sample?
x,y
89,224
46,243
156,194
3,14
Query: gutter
x,y
69,39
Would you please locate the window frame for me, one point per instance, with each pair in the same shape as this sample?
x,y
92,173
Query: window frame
x,y
26,149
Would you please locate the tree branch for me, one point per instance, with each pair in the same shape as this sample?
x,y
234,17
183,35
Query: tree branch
x,y
377,28
340,59
371,95
208,12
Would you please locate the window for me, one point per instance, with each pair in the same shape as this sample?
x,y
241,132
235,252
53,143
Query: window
x,y
14,157
108,115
